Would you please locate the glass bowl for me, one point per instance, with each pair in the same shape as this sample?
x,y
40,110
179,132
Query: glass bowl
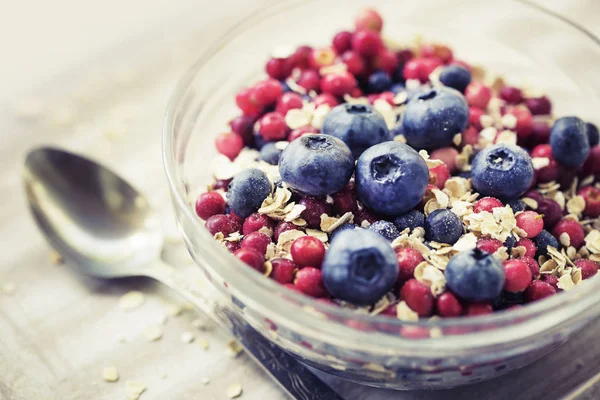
x,y
525,44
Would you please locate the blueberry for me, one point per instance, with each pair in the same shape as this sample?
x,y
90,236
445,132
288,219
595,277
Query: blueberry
x,y
247,191
360,126
509,243
433,117
379,81
508,299
543,240
385,229
359,267
502,170
516,205
464,174
475,275
259,141
397,88
592,134
443,226
410,220
391,178
456,77
569,141
341,228
316,164
269,153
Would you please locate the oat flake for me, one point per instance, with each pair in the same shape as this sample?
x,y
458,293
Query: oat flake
x,y
134,389
110,374
234,348
131,300
404,312
153,332
187,337
234,391
576,205
204,345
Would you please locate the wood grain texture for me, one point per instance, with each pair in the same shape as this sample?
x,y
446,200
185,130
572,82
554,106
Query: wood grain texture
x,y
58,330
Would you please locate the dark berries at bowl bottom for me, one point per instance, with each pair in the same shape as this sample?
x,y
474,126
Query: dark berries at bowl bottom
x,y
396,182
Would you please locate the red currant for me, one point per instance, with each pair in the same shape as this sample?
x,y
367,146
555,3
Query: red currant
x,y
588,268
367,43
511,94
591,196
229,144
289,101
222,184
245,101
534,267
281,227
301,57
243,126
338,84
408,259
524,125
517,276
418,297
487,204
539,105
551,280
325,98
420,68
255,222
475,114
531,222
368,19
309,281
447,305
344,201
489,245
224,223
447,155
309,79
272,127
252,258
386,61
209,204
538,290
440,51
342,41
315,207
438,175
530,247
267,92
355,64
573,229
279,68
478,95
283,270
475,309
308,251
470,136
257,241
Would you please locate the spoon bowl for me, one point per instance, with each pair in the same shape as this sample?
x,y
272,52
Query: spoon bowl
x,y
91,216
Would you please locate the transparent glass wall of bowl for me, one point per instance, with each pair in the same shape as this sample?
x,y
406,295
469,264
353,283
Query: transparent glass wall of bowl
x,y
525,46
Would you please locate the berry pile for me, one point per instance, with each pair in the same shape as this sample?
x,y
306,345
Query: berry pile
x,y
403,181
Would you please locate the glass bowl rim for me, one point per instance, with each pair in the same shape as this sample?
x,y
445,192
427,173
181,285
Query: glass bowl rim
x,y
268,288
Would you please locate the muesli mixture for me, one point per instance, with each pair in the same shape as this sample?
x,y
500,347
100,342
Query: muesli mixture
x,y
397,179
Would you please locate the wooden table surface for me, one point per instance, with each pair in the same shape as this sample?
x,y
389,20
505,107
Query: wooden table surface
x,y
59,330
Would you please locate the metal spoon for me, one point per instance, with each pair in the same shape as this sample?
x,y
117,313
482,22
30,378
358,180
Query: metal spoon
x,y
105,228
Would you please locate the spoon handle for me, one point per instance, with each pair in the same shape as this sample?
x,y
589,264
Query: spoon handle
x,y
291,375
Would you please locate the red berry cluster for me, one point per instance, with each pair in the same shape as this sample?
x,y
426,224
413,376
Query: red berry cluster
x,y
312,75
